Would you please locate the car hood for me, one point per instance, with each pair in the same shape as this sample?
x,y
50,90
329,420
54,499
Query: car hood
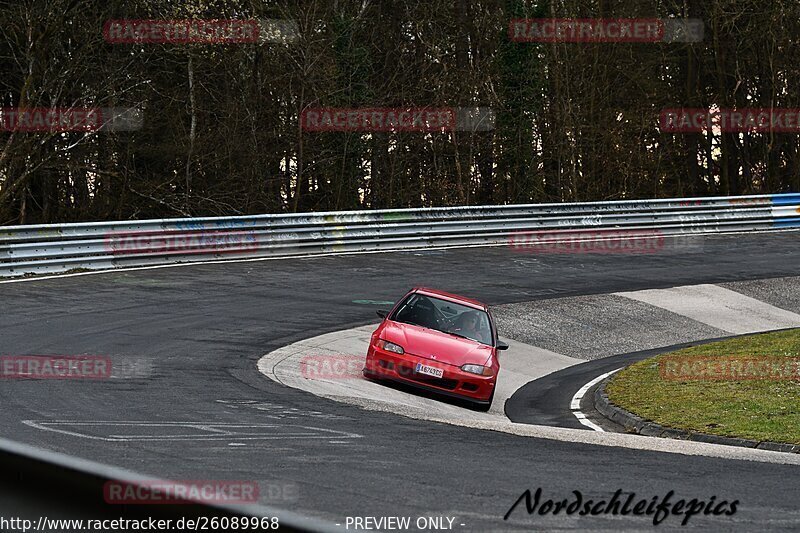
x,y
432,344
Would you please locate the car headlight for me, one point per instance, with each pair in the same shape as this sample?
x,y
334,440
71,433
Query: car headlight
x,y
390,347
478,369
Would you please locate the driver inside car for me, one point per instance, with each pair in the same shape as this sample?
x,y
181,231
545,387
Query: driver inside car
x,y
468,326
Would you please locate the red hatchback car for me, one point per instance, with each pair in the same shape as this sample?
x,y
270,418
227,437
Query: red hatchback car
x,y
438,341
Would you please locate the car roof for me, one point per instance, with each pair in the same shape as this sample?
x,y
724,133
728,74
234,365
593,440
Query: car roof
x,y
451,297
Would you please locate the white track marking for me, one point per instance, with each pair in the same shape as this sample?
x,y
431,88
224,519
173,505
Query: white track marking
x,y
718,307
575,404
205,431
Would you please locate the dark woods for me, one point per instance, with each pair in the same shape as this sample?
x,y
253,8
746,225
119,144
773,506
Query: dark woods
x,y
221,136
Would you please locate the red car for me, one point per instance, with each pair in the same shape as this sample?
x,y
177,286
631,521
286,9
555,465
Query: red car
x,y
438,341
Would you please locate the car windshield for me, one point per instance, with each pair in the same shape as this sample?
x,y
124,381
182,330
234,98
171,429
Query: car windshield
x,y
447,317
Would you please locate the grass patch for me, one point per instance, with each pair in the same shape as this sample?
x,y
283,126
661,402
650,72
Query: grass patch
x,y
761,409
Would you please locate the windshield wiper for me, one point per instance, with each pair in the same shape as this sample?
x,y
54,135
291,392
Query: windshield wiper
x,y
439,330
416,324
458,335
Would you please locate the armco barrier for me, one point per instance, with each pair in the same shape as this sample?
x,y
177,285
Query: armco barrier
x,y
53,248
42,485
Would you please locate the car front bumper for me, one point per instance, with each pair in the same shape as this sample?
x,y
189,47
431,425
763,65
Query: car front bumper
x,y
454,381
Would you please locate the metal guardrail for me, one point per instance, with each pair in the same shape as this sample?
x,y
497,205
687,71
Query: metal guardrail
x,y
53,248
39,484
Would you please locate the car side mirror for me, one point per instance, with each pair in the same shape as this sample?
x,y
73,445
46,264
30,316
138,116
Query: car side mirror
x,y
382,314
501,345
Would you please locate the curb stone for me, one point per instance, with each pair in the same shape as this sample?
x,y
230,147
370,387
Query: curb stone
x,y
636,424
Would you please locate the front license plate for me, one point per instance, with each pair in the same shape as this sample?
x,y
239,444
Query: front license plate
x,y
429,370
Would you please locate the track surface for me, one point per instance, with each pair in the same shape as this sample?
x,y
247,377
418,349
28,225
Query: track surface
x,y
186,341
298,366
546,401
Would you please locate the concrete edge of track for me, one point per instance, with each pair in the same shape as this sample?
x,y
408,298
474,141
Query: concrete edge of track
x,y
286,366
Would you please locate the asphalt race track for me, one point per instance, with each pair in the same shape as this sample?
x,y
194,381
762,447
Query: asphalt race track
x,y
546,400
186,401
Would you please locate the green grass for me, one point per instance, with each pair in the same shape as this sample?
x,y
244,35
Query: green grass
x,y
764,410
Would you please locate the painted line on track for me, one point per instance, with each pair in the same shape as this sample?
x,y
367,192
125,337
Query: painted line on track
x,y
575,404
